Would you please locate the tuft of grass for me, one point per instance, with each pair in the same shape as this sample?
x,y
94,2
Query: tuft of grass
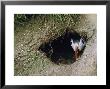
x,y
22,19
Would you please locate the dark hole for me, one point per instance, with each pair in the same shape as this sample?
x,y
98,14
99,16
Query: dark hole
x,y
59,50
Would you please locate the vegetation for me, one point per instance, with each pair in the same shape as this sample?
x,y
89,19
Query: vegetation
x,y
21,19
31,30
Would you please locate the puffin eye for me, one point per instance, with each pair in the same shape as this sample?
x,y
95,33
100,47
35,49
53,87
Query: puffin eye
x,y
82,41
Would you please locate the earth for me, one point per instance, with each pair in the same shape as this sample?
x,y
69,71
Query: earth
x,y
29,61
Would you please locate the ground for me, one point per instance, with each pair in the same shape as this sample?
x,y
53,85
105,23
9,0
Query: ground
x,y
28,61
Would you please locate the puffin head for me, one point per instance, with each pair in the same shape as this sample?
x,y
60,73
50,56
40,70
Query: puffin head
x,y
77,46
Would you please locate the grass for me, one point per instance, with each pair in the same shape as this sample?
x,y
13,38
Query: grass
x,y
30,33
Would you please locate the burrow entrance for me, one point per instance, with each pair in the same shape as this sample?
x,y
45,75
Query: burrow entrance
x,y
59,50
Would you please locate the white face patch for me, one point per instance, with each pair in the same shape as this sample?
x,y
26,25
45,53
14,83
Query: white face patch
x,y
79,44
74,45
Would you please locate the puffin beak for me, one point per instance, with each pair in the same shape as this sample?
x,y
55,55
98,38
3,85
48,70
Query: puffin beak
x,y
76,53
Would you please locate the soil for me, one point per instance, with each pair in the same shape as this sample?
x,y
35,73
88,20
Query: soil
x,y
29,61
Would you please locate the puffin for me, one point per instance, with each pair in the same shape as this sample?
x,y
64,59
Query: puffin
x,y
77,46
64,49
78,43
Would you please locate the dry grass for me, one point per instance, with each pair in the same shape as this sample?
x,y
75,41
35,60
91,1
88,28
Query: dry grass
x,y
28,37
